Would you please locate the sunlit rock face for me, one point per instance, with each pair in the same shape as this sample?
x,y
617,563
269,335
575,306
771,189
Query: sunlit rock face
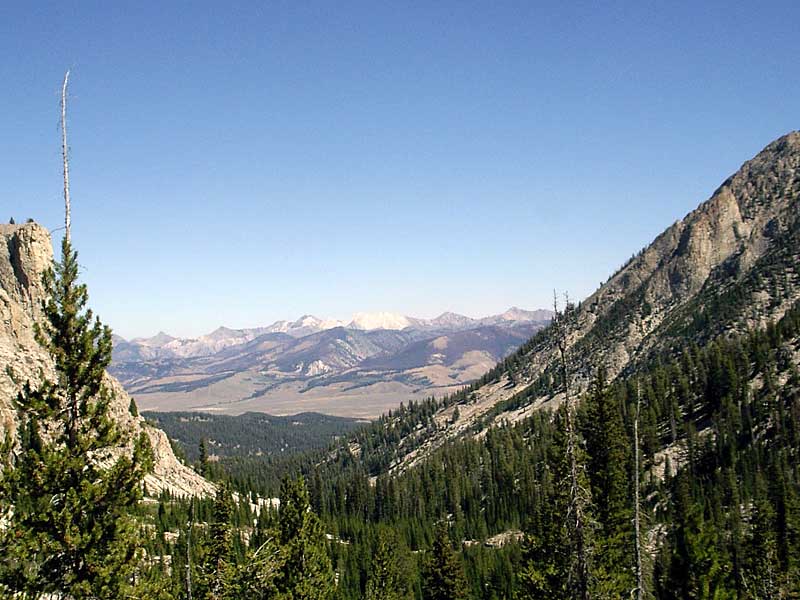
x,y
26,251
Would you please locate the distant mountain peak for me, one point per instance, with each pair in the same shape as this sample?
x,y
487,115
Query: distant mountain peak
x,y
163,345
520,314
158,340
379,320
222,332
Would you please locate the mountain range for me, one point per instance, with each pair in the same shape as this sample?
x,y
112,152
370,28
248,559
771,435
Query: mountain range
x,y
359,368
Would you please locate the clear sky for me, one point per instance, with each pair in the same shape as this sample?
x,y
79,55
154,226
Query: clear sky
x,y
238,163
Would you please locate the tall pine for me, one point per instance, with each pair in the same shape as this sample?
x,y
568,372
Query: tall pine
x,y
388,579
443,574
68,486
218,565
306,572
608,463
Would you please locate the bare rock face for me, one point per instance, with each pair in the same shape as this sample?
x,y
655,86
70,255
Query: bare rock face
x,y
731,264
25,253
749,223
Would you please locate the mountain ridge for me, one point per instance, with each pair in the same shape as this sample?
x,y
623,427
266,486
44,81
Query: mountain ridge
x,y
338,366
728,265
223,336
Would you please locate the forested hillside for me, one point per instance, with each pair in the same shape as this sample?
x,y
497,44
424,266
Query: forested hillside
x,y
250,434
727,267
719,432
644,445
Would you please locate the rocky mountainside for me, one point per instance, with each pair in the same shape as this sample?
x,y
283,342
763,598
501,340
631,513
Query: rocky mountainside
x,y
25,253
732,263
362,369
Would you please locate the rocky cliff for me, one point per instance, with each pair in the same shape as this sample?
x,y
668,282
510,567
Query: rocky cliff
x,y
25,253
732,263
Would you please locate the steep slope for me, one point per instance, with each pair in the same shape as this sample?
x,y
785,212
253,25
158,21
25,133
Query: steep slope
x,y
450,348
25,253
730,264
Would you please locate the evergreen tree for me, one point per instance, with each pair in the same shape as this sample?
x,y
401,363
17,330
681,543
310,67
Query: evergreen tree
x,y
306,572
443,574
388,579
546,547
67,492
256,578
543,572
578,513
608,462
761,576
699,569
217,568
203,451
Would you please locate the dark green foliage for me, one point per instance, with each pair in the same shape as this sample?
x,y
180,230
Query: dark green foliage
x,y
700,567
70,530
251,434
305,572
217,568
725,517
607,446
255,579
762,560
543,571
443,574
203,458
389,576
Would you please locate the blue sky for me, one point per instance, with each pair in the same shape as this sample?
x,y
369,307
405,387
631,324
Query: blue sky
x,y
237,163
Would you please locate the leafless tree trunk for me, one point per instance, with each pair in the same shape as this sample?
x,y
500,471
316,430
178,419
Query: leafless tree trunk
x,y
64,151
636,503
578,494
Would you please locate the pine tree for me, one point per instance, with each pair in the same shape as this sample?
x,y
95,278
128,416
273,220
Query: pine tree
x,y
217,567
761,576
69,531
256,578
388,580
546,548
698,567
607,449
306,572
443,574
203,451
543,573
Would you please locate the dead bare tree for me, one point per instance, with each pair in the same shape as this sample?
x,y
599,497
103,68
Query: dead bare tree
x,y
64,152
579,496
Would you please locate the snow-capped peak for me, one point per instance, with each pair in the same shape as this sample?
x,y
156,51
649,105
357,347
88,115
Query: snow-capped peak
x,y
378,320
307,321
331,323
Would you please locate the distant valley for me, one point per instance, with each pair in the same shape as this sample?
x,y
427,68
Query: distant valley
x,y
360,368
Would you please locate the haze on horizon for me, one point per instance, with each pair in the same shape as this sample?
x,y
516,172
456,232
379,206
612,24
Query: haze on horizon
x,y
241,165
